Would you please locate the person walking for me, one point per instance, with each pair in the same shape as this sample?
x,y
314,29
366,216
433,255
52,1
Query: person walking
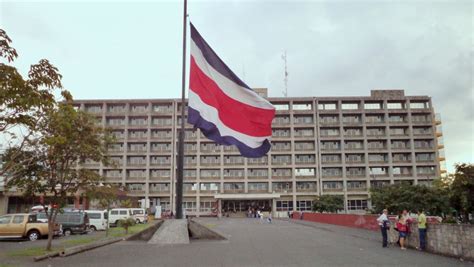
x,y
422,229
402,230
384,224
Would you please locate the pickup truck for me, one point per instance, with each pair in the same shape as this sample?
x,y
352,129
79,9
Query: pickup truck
x,y
24,225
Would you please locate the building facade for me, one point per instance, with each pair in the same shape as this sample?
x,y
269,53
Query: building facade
x,y
320,145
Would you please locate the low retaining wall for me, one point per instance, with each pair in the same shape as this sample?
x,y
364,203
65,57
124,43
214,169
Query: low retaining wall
x,y
455,240
368,222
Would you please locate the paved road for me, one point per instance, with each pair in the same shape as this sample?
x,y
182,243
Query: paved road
x,y
252,243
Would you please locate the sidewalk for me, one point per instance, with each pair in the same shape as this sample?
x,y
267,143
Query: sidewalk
x,y
346,231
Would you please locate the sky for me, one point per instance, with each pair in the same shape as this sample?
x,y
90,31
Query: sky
x,y
133,49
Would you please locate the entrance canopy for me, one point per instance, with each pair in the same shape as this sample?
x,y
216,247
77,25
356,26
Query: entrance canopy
x,y
246,196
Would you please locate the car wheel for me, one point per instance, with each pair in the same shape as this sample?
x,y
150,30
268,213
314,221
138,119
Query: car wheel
x,y
137,221
67,232
33,235
92,229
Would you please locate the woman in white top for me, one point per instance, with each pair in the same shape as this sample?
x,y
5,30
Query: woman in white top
x,y
384,225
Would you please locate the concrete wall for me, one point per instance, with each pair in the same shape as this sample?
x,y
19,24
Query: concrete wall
x,y
456,240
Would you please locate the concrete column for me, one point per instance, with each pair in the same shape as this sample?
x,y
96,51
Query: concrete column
x,y
219,208
273,207
3,204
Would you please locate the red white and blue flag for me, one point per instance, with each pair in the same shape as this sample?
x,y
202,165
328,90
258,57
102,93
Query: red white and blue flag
x,y
225,109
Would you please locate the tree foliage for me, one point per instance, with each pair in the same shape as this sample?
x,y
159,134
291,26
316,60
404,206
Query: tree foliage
x,y
49,163
328,203
397,197
126,223
462,190
22,101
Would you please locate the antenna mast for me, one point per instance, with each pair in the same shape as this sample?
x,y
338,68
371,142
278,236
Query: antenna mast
x,y
285,92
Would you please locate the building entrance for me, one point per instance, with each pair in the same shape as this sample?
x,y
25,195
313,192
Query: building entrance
x,y
241,207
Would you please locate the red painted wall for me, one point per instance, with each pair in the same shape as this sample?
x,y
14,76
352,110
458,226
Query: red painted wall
x,y
368,222
350,220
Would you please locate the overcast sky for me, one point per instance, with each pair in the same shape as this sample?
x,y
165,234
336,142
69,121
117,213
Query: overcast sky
x,y
128,49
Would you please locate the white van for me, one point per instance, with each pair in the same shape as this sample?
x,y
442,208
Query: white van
x,y
97,219
140,215
119,214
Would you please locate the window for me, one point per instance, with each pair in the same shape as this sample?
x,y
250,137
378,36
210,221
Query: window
x,y
327,106
373,105
282,187
206,206
331,172
378,171
350,106
189,206
123,212
258,186
357,204
306,186
302,106
284,106
419,105
395,105
94,215
114,212
359,185
304,205
209,187
18,219
304,172
284,205
302,132
332,185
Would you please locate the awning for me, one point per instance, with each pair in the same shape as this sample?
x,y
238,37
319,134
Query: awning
x,y
247,196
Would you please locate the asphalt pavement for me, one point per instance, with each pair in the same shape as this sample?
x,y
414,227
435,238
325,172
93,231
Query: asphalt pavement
x,y
254,243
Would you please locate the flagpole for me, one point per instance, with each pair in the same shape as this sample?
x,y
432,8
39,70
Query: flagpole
x,y
179,172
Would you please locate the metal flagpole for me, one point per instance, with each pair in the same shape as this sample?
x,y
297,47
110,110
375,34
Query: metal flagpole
x,y
179,172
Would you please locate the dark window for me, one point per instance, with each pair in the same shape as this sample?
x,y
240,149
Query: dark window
x,y
18,219
94,215
114,212
123,212
5,219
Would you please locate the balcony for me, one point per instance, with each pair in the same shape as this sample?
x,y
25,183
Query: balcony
x,y
357,189
160,178
328,190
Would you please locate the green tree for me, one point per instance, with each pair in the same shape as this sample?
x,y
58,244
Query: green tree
x,y
23,101
106,195
328,203
462,190
49,163
397,197
126,223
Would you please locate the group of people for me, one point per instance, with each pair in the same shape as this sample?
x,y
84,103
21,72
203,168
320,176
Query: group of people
x,y
402,225
257,213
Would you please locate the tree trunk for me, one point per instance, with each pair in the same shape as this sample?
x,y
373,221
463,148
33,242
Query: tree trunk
x,y
50,235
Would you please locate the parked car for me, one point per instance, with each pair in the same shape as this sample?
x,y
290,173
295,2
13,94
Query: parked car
x,y
140,215
21,225
116,215
71,222
97,219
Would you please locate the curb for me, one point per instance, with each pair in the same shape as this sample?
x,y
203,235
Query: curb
x,y
81,248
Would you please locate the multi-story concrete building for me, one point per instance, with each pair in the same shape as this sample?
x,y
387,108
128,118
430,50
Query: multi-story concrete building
x,y
321,145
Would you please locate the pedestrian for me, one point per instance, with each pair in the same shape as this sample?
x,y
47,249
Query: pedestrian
x,y
402,230
422,229
384,226
269,218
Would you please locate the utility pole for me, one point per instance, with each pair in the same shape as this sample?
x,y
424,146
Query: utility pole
x,y
180,170
285,92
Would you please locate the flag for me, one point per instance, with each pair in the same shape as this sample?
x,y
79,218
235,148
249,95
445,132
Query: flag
x,y
225,109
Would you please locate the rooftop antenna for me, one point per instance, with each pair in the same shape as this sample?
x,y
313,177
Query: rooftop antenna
x,y
285,92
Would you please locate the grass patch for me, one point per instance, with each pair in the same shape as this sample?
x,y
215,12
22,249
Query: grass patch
x,y
38,251
31,252
120,232
79,241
